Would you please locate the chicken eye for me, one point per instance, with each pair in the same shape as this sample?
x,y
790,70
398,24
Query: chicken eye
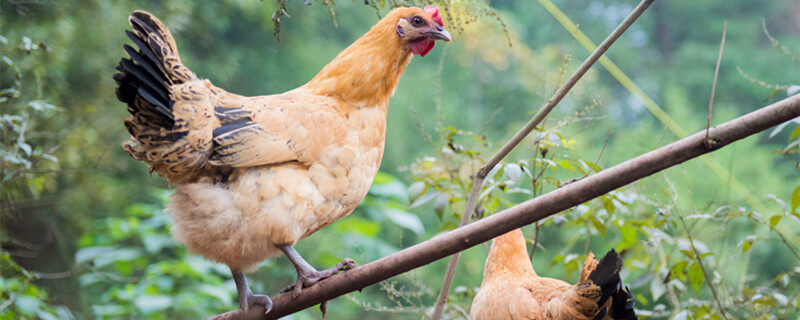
x,y
416,20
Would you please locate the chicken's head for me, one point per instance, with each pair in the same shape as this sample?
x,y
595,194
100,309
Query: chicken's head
x,y
419,28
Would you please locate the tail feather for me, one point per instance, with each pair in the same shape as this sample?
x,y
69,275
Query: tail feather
x,y
145,19
622,305
153,69
144,81
149,82
150,57
606,276
152,84
162,46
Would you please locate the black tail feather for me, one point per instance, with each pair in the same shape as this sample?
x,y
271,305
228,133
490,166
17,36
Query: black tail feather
x,y
138,72
161,107
622,305
147,64
143,83
606,276
146,50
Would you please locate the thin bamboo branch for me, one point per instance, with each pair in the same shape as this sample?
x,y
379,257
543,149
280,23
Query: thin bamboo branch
x,y
716,73
522,134
527,212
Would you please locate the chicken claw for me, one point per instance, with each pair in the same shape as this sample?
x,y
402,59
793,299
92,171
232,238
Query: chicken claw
x,y
306,274
246,297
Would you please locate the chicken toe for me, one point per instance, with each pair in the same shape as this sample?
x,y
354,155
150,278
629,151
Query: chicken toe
x,y
307,275
246,297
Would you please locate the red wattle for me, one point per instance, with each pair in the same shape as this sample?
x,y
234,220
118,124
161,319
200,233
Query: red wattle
x,y
422,47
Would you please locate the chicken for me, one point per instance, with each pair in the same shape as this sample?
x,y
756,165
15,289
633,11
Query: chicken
x,y
253,175
512,290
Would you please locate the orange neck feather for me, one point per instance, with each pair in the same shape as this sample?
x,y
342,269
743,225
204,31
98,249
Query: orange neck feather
x,y
509,254
367,72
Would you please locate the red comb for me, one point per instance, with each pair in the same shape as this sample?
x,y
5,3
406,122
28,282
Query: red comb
x,y
434,12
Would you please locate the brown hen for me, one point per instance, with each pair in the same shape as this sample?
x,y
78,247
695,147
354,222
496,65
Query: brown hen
x,y
512,290
254,175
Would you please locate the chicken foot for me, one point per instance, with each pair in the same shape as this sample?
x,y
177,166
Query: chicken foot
x,y
308,276
246,297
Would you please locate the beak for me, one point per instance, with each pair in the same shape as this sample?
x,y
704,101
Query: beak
x,y
440,33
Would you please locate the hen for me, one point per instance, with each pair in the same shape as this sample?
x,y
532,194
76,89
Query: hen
x,y
254,175
512,290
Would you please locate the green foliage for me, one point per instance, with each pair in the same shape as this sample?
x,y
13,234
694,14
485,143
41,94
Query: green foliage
x,y
21,299
23,154
139,271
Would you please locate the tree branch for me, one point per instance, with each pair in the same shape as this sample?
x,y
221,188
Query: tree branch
x,y
520,135
527,212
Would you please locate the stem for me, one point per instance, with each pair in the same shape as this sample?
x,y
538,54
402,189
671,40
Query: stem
x,y
535,241
702,267
521,134
788,245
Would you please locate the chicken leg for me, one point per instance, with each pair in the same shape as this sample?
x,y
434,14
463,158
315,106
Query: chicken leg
x,y
246,297
306,274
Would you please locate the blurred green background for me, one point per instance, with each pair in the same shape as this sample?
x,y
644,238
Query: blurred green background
x,y
84,235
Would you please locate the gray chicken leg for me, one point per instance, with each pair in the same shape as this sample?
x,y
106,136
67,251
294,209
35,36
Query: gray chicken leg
x,y
246,297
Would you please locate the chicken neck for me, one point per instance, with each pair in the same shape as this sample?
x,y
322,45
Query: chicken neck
x,y
367,72
508,253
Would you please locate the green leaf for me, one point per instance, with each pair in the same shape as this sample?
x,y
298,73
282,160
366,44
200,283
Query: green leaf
x,y
657,289
791,145
109,310
774,220
404,219
416,189
566,164
696,276
383,177
795,197
28,304
683,315
154,242
628,235
388,187
608,204
91,253
746,245
440,204
41,106
153,303
688,253
795,133
678,271
424,199
600,226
